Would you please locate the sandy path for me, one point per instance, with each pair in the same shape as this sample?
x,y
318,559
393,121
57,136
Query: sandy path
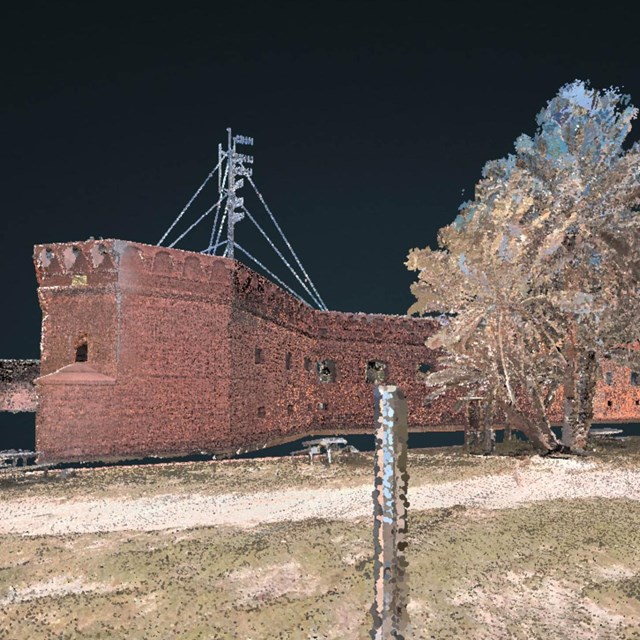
x,y
545,480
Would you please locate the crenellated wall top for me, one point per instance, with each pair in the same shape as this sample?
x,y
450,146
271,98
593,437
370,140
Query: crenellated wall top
x,y
58,263
74,263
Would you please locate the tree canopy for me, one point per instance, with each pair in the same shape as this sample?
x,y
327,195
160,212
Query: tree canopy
x,y
534,272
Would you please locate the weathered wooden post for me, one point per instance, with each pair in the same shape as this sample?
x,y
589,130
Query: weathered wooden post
x,y
390,504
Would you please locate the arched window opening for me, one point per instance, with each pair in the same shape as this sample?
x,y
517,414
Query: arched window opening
x,y
423,369
82,350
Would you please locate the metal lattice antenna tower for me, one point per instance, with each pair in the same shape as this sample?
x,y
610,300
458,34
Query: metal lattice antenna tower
x,y
232,170
236,169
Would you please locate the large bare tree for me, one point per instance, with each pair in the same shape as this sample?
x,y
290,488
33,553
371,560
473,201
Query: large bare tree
x,y
540,270
583,264
504,357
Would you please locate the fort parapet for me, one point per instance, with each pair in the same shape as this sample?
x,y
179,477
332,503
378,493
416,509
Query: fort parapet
x,y
153,351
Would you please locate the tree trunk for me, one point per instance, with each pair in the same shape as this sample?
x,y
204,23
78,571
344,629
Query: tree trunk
x,y
540,435
542,418
579,389
570,405
585,391
473,433
488,435
479,436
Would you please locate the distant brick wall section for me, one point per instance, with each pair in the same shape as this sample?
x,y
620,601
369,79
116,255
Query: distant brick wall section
x,y
617,396
17,391
155,351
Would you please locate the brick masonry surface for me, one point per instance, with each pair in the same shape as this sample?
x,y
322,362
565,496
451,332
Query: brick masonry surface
x,y
154,351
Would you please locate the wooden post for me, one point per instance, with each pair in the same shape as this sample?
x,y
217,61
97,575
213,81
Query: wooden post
x,y
390,504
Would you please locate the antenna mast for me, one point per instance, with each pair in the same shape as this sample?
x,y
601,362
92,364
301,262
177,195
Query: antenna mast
x,y
232,171
235,171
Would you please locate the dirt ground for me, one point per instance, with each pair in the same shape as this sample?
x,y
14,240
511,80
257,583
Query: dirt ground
x,y
500,547
537,480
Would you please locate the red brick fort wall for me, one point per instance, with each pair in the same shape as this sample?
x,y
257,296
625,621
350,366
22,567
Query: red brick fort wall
x,y
190,353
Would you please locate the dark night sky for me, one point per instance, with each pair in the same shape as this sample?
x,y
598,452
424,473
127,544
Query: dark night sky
x,y
369,120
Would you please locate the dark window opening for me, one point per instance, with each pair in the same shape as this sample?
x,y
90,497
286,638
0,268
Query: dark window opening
x,y
262,412
287,361
326,371
637,402
307,364
259,356
608,377
376,372
423,369
290,409
82,351
609,403
323,406
635,379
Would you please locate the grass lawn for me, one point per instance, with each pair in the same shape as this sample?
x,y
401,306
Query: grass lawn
x,y
557,569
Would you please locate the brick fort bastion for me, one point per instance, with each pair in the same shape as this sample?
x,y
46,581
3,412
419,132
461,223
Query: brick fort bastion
x,y
153,351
